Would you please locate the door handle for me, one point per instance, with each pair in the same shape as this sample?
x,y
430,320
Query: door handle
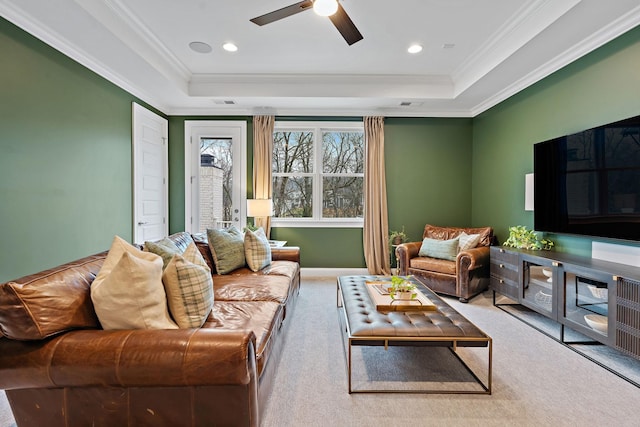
x,y
142,223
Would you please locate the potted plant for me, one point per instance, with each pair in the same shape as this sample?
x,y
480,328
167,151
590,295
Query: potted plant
x,y
398,237
522,238
402,288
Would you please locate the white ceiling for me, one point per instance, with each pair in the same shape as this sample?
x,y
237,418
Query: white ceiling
x,y
476,52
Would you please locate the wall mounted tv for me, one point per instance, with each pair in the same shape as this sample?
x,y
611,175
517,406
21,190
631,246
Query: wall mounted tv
x,y
588,183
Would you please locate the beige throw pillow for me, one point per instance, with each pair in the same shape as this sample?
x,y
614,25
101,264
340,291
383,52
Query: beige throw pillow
x,y
467,241
257,250
189,286
128,292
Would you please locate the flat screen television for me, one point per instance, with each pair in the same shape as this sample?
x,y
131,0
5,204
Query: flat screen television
x,y
588,183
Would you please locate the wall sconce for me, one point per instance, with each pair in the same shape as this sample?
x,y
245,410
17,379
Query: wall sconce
x,y
259,208
528,192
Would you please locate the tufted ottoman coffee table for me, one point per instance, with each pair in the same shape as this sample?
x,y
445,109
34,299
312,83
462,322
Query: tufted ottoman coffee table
x,y
443,327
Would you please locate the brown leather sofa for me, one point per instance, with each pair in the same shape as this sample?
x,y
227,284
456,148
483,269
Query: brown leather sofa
x,y
464,278
219,374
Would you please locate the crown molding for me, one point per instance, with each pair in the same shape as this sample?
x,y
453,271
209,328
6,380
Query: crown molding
x,y
604,35
529,21
115,16
53,39
318,112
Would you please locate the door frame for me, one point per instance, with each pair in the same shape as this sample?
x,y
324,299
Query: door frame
x,y
137,112
222,129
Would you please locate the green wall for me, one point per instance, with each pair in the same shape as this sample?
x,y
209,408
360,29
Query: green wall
x,y
65,162
428,172
600,88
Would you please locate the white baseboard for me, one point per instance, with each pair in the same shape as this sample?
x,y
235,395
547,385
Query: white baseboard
x,y
629,255
332,272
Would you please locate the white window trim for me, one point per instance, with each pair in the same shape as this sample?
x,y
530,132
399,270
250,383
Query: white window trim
x,y
317,126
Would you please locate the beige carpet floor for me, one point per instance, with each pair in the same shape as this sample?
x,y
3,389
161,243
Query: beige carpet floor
x,y
536,380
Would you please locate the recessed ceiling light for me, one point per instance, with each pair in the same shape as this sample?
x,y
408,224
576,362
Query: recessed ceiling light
x,y
230,47
414,48
200,47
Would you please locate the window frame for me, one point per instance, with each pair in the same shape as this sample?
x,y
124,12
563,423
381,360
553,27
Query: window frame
x,y
317,127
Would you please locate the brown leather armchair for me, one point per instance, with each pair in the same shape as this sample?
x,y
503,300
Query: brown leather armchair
x,y
464,278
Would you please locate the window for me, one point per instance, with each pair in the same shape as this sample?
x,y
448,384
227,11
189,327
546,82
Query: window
x,y
318,174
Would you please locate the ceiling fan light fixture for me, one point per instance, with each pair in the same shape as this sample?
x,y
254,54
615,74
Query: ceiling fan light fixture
x,y
325,7
230,47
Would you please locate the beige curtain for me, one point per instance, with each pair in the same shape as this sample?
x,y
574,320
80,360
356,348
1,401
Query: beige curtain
x,y
262,150
376,225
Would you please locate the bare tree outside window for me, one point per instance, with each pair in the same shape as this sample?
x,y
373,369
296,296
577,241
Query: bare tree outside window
x,y
343,174
337,174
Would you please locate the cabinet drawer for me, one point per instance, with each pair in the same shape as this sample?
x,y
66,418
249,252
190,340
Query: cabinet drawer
x,y
504,270
504,256
504,286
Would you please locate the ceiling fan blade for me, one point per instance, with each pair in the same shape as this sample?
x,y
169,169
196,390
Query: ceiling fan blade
x,y
283,13
345,25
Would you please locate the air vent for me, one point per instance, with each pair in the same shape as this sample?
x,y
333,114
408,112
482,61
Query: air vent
x,y
410,104
224,102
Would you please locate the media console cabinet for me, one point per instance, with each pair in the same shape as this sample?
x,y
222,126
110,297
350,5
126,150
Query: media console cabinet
x,y
598,299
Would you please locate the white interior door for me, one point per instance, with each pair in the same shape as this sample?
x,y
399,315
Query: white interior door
x,y
215,174
150,175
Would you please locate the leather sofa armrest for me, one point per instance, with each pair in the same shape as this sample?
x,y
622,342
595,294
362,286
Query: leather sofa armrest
x,y
131,358
286,253
472,259
404,253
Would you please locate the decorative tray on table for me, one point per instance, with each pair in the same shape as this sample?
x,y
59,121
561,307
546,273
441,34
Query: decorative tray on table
x,y
379,293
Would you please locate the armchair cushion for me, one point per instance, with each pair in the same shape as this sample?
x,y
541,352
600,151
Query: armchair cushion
x,y
441,249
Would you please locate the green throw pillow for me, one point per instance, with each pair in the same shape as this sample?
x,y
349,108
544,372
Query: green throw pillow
x,y
165,248
257,250
442,249
227,249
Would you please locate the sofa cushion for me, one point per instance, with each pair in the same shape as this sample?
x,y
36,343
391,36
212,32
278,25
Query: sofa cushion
x,y
227,249
244,285
441,249
468,241
165,248
189,287
261,317
128,291
53,301
257,250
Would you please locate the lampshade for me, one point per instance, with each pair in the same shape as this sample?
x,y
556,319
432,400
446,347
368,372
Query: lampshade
x,y
325,7
259,207
528,192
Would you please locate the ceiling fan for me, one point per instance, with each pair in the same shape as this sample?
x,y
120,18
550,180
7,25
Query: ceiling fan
x,y
331,8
